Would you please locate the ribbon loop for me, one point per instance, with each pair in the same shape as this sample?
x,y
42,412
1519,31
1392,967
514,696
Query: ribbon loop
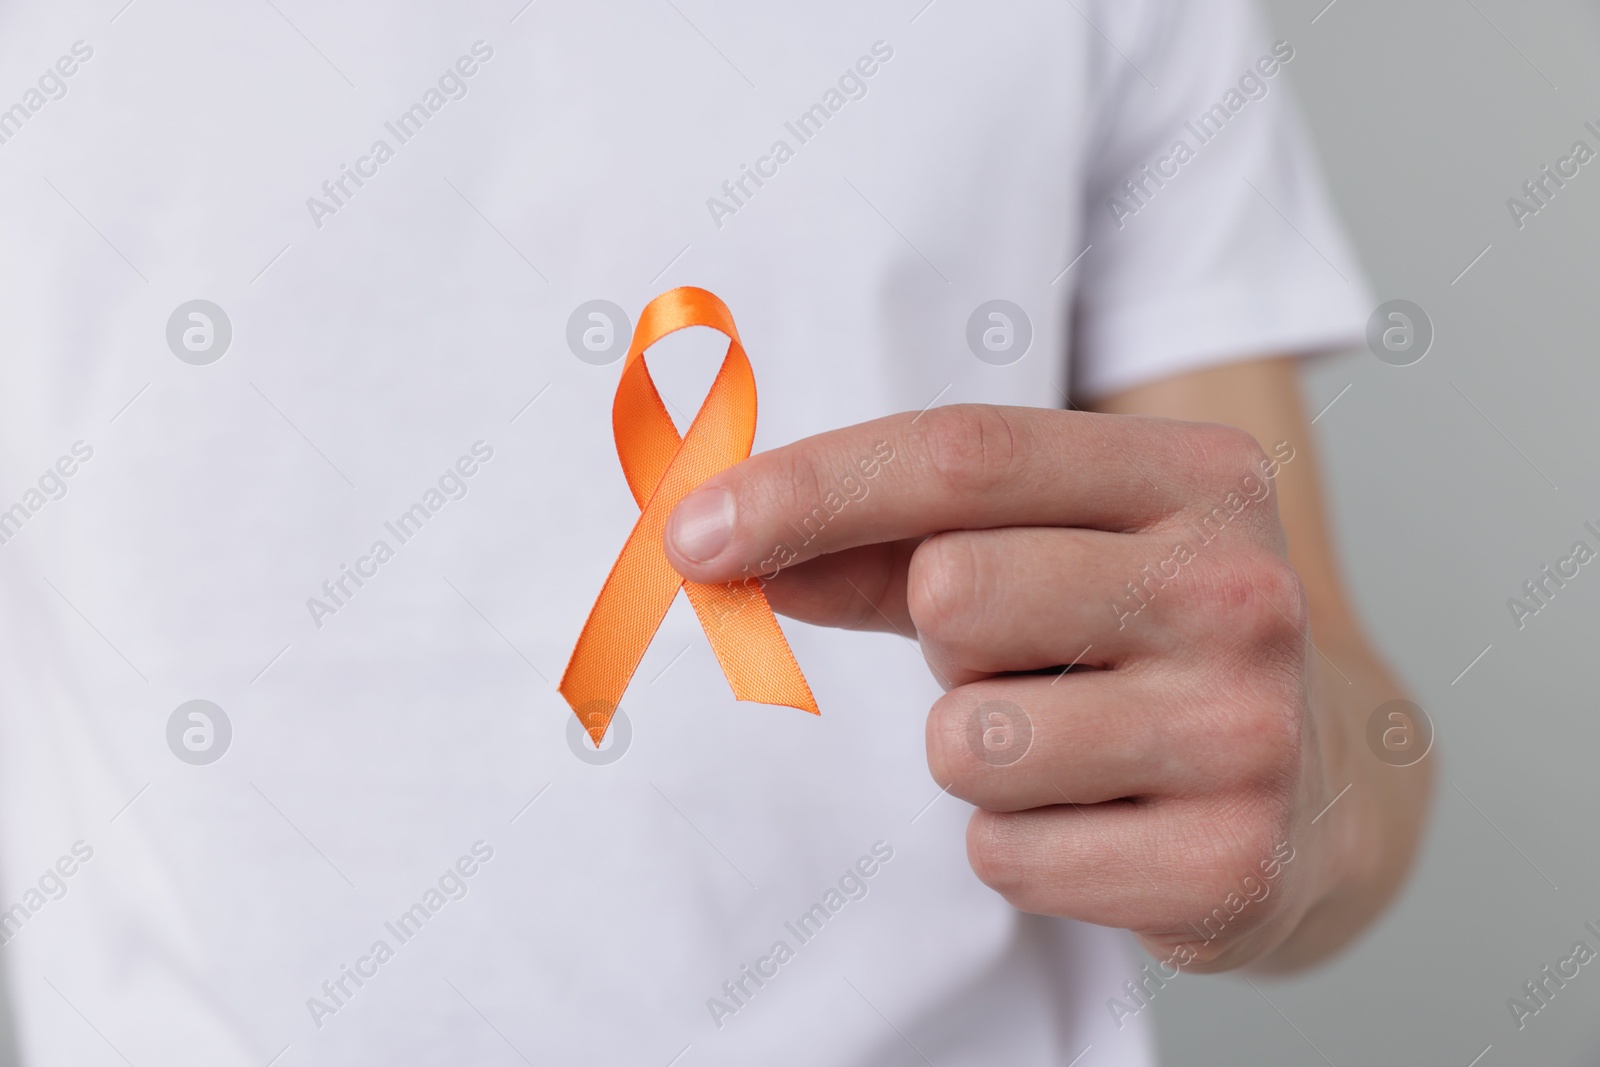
x,y
662,468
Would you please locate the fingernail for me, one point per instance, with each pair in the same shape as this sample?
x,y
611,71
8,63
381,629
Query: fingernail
x,y
702,524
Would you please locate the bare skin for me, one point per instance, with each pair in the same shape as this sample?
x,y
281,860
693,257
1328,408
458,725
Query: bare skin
x,y
1182,771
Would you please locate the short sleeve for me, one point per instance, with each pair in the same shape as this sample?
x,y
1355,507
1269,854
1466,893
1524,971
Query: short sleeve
x,y
1211,235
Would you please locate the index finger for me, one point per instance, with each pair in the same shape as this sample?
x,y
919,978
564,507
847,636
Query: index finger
x,y
961,467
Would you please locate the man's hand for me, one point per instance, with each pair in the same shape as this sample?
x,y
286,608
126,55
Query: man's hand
x,y
1174,780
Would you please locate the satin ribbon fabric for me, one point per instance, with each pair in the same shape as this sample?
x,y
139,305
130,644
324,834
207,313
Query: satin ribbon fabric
x,y
662,468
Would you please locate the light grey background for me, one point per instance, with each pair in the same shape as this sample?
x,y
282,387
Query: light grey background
x,y
1429,115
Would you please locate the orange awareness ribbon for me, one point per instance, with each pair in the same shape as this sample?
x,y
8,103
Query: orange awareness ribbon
x,y
662,469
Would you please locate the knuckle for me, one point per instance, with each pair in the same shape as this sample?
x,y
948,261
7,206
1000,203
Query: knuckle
x,y
1256,732
1268,823
992,852
1278,610
948,755
1281,585
940,584
796,483
1225,455
968,446
1259,601
1264,743
1236,450
1250,835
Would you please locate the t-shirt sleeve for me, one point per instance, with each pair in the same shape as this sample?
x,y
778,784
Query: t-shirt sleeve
x,y
1210,235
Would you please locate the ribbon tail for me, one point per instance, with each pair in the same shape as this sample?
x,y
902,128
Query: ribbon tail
x,y
625,617
750,646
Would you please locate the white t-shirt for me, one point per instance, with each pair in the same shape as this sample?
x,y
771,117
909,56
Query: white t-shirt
x,y
399,214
